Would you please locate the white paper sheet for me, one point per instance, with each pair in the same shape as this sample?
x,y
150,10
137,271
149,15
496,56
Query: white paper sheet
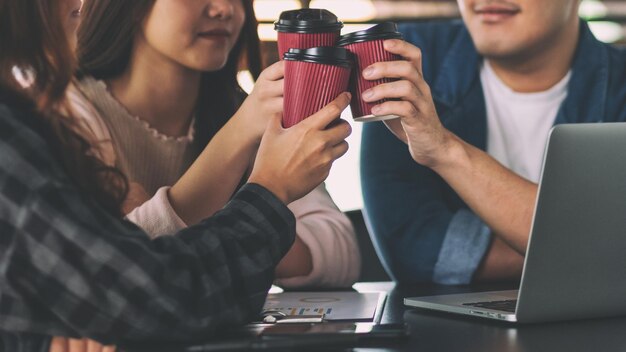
x,y
334,305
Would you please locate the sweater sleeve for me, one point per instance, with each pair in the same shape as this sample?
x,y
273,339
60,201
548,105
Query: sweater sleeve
x,y
323,228
329,235
465,243
156,216
92,125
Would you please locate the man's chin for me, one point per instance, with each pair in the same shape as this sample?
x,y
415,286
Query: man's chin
x,y
499,51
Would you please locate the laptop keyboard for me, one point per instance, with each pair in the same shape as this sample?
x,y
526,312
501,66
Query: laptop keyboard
x,y
506,306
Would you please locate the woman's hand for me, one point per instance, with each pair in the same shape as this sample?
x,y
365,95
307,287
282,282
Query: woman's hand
x,y
419,125
292,162
64,344
265,102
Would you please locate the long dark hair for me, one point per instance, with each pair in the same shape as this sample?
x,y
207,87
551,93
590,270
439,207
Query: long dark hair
x,y
105,44
33,39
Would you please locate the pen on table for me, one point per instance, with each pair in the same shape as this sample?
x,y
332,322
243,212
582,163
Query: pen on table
x,y
273,319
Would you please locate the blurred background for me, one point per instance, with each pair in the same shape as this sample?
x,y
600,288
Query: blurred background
x,y
607,19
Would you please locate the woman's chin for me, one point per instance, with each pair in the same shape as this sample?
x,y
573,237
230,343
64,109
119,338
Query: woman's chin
x,y
209,65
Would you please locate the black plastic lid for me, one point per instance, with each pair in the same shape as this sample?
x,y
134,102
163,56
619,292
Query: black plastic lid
x,y
308,21
385,30
327,55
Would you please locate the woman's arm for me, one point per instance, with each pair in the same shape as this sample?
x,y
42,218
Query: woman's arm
x,y
102,279
329,242
211,180
68,268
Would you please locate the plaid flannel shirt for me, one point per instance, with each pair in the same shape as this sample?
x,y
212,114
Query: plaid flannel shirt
x,y
68,268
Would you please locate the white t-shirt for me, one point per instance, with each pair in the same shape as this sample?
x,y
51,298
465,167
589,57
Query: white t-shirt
x,y
518,124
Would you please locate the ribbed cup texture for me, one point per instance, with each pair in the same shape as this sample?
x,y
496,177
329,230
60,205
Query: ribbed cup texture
x,y
367,53
288,41
309,87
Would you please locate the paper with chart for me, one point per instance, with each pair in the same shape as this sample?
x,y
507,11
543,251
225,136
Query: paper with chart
x,y
334,305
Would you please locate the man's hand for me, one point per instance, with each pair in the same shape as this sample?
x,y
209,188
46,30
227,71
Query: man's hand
x,y
419,125
502,199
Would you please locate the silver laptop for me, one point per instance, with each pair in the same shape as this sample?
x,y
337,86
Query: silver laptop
x,y
575,264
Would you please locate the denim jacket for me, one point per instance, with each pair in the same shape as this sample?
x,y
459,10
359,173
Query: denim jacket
x,y
421,228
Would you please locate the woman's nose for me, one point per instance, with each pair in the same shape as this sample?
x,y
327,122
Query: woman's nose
x,y
221,9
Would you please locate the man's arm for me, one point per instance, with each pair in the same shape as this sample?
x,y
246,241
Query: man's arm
x,y
500,263
422,234
502,199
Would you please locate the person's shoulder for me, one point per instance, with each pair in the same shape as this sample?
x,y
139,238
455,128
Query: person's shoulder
x,y
90,120
6,117
440,34
616,55
91,91
13,119
616,93
84,109
25,152
617,60
436,40
20,125
86,82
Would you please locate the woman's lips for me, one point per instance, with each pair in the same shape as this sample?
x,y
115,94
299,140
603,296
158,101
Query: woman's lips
x,y
214,34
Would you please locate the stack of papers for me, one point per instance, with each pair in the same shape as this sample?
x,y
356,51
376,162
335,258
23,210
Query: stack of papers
x,y
340,305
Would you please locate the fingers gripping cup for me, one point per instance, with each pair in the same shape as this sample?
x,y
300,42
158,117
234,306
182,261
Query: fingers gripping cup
x,y
306,28
367,47
313,78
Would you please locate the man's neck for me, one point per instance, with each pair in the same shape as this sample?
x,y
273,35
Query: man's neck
x,y
158,91
540,69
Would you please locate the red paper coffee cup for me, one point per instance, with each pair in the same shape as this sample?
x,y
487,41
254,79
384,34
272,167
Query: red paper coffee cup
x,y
287,41
306,28
367,47
314,77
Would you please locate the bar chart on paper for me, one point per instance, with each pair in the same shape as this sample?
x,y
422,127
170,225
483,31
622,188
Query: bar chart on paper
x,y
353,306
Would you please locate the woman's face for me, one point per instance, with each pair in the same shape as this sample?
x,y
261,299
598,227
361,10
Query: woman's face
x,y
197,34
70,10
